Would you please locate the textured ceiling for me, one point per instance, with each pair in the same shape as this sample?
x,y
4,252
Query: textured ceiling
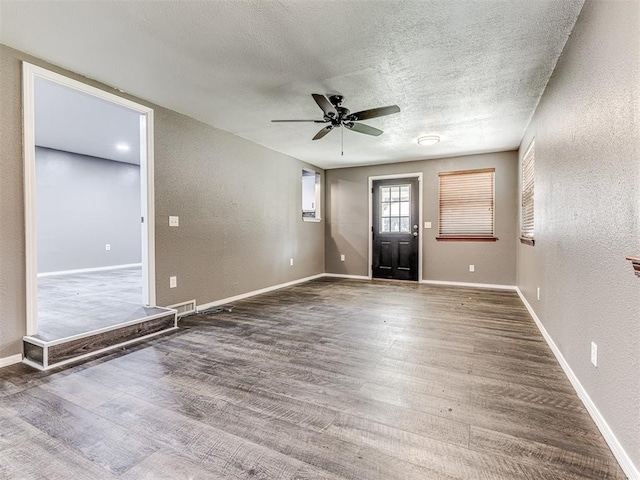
x,y
470,71
69,120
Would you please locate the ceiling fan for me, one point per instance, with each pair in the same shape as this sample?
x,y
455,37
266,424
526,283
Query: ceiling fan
x,y
338,116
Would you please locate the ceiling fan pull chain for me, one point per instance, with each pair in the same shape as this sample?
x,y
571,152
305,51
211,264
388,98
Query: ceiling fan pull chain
x,y
342,148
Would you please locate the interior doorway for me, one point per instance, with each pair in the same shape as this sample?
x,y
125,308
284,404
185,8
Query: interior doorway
x,y
88,207
395,244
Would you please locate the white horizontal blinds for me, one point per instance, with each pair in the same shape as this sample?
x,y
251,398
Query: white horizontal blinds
x,y
467,203
528,174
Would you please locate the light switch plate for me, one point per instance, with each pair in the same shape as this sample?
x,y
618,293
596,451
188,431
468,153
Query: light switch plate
x,y
427,224
173,282
342,258
472,268
107,247
174,221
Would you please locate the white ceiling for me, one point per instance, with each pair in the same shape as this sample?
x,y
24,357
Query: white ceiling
x,y
66,119
471,71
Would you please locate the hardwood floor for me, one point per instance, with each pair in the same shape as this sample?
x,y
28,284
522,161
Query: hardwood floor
x,y
325,380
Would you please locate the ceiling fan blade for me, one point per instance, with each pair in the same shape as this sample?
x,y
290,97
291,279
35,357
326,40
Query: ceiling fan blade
x,y
314,121
323,132
325,105
375,112
362,128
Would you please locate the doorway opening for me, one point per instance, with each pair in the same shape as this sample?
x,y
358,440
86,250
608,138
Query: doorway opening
x,y
395,218
88,207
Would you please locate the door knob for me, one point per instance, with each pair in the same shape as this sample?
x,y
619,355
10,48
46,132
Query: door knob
x,y
415,227
415,234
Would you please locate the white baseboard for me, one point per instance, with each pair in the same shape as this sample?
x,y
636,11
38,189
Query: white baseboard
x,y
89,270
13,359
467,284
618,450
253,293
343,275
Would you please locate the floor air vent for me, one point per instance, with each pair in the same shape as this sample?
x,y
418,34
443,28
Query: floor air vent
x,y
184,308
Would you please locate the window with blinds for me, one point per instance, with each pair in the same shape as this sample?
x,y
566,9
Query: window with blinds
x,y
467,205
528,174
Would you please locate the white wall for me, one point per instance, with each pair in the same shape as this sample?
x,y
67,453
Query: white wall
x,y
83,204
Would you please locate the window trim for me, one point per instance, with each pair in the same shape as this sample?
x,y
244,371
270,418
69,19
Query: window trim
x,y
460,237
527,237
318,196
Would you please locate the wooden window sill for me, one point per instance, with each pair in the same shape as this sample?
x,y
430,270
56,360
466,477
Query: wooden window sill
x,y
527,241
467,239
635,262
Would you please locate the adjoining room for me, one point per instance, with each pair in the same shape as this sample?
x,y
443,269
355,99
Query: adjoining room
x,y
88,210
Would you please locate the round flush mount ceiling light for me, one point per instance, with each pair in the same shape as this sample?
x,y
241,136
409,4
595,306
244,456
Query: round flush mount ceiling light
x,y
429,140
122,147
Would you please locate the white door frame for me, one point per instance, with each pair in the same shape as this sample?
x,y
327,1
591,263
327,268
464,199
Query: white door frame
x,y
370,230
29,73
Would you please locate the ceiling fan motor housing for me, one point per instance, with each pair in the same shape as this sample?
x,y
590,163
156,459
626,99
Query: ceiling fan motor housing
x,y
336,100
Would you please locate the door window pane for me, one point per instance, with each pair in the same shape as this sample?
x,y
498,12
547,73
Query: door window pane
x,y
395,209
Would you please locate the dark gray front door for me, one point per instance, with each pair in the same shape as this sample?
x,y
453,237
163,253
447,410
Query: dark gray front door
x,y
396,232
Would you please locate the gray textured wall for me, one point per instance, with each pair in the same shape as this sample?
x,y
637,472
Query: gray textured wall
x,y
348,210
239,206
84,203
587,205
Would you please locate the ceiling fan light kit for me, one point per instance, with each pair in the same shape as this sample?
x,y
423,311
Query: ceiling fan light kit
x,y
338,116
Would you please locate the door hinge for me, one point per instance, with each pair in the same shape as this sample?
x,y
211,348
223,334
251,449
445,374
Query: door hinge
x,y
141,219
371,189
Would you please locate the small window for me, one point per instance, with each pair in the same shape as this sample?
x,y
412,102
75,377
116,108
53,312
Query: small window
x,y
310,196
528,175
395,201
467,205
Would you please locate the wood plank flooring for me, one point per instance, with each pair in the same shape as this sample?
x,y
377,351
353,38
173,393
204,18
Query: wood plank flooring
x,y
330,379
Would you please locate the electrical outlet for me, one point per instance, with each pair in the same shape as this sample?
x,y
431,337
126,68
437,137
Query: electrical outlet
x,y
472,268
173,282
174,221
427,224
342,258
107,247
538,293
291,262
594,354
